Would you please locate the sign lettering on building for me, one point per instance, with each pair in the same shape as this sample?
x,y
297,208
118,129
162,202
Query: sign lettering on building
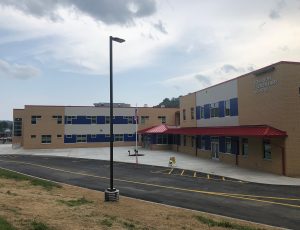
x,y
264,84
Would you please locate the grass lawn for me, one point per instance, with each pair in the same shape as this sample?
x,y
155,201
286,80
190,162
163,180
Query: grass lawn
x,y
34,204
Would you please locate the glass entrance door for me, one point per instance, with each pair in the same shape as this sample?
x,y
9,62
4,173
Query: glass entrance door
x,y
215,150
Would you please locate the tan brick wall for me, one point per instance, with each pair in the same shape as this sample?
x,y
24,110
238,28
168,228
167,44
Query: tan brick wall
x,y
278,107
227,158
153,114
255,159
186,103
45,126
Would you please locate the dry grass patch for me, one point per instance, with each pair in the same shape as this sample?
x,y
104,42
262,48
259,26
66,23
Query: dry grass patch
x,y
69,207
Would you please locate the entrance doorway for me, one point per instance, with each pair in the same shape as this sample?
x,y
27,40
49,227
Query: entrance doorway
x,y
215,150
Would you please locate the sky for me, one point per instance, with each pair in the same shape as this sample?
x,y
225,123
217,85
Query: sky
x,y
56,52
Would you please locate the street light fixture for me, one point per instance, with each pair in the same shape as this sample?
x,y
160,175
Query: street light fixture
x,y
111,193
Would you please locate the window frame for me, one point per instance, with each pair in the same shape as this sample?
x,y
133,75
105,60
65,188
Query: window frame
x,y
226,144
46,139
81,138
192,113
118,137
267,156
245,151
227,108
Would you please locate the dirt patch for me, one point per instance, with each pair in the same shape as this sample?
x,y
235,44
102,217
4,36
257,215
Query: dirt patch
x,y
21,203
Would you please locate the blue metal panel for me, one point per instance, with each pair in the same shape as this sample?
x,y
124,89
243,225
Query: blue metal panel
x,y
221,108
197,112
71,139
207,142
222,144
235,145
100,119
233,107
153,139
206,111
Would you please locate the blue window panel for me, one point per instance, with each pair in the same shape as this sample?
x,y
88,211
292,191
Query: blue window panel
x,y
222,144
235,145
233,107
197,112
100,119
153,139
198,142
71,139
207,111
119,120
207,142
170,139
81,120
221,108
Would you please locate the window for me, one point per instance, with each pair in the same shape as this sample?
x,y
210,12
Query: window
x,y
46,139
58,119
18,127
144,119
119,137
193,141
201,112
227,108
69,136
267,149
107,135
184,140
59,136
81,138
202,143
245,147
228,145
192,113
130,135
162,139
93,119
214,110
163,119
33,136
34,119
93,136
69,119
129,120
183,114
107,119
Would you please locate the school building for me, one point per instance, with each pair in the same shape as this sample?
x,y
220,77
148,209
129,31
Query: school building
x,y
252,121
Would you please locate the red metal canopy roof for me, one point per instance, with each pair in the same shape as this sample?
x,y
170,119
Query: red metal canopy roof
x,y
248,130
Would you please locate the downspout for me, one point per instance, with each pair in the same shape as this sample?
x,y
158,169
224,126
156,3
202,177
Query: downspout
x,y
283,161
196,146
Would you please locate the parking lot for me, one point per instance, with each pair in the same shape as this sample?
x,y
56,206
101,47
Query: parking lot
x,y
269,204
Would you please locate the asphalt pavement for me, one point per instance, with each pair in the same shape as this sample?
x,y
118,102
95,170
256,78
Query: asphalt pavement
x,y
275,205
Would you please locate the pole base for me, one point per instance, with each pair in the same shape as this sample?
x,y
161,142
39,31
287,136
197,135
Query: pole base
x,y
111,195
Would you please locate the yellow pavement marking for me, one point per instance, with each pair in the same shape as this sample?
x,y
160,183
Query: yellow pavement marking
x,y
182,173
195,174
231,195
170,171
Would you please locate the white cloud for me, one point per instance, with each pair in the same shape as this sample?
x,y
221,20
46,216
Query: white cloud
x,y
8,70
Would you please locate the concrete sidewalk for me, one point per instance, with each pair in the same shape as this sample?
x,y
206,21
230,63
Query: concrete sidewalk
x,y
161,158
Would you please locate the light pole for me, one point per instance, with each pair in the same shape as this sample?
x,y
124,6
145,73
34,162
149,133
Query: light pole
x,y
112,194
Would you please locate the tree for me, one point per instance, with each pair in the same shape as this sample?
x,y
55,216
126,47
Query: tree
x,y
5,125
169,103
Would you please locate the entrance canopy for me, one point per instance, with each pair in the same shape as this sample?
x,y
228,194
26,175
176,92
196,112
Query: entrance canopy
x,y
245,130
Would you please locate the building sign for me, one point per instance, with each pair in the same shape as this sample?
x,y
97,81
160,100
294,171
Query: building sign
x,y
264,84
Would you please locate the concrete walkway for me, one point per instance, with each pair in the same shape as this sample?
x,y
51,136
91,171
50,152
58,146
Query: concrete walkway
x,y
161,158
